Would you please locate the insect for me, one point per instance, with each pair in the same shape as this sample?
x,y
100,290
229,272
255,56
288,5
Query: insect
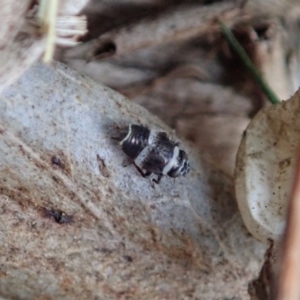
x,y
154,153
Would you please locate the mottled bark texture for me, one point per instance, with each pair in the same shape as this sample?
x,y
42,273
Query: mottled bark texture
x,y
76,224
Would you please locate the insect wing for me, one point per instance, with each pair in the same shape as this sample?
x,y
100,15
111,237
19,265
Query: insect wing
x,y
158,156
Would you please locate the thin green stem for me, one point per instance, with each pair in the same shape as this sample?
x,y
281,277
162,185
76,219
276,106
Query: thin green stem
x,y
249,64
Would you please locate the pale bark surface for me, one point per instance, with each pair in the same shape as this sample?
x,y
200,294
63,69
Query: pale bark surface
x,y
120,238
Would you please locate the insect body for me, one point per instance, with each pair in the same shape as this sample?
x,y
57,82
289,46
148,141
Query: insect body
x,y
154,153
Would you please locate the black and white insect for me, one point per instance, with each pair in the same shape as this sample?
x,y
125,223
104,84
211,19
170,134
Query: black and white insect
x,y
153,152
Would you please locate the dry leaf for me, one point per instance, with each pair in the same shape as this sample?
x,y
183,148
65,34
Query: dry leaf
x,y
265,168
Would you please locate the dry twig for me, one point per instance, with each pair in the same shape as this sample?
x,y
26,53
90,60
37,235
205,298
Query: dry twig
x,y
180,24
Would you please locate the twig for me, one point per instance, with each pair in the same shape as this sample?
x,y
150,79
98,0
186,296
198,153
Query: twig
x,y
249,64
177,25
288,280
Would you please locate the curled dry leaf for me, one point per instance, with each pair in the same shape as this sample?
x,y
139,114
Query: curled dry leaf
x,y
265,168
76,224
